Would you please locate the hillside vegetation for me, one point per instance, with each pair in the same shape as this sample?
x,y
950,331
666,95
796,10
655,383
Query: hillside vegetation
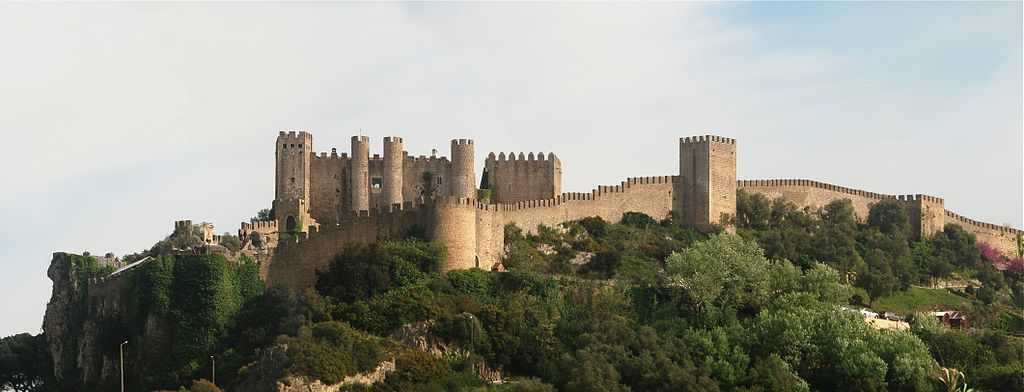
x,y
639,305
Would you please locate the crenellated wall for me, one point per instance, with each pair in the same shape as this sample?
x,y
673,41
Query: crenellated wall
x,y
297,258
813,194
472,232
412,176
528,177
333,184
928,214
526,191
1000,237
328,186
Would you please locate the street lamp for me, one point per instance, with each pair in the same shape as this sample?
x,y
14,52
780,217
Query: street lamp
x,y
213,366
120,351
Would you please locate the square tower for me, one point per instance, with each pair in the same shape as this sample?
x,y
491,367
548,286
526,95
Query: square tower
x,y
706,190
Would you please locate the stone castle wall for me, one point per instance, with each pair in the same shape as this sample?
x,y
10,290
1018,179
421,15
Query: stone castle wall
x,y
525,192
928,213
1000,237
472,232
813,194
528,177
380,181
297,258
328,184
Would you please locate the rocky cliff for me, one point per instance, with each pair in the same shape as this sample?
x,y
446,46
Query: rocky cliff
x,y
86,321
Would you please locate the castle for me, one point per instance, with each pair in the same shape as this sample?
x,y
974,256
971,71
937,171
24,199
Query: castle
x,y
323,201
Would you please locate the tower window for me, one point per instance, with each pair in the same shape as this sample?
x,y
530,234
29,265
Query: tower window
x,y
438,180
376,182
293,180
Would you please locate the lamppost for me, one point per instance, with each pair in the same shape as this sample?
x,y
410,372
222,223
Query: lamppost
x,y
120,351
213,366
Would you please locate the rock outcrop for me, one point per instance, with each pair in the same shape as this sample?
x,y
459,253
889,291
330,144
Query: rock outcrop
x,y
85,323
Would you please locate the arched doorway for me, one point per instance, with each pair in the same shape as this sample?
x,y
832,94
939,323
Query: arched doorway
x,y
289,224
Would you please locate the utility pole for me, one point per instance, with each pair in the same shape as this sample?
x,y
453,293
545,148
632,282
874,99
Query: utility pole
x,y
120,351
213,366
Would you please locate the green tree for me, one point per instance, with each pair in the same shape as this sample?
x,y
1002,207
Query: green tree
x,y
361,271
836,239
25,363
725,270
772,374
890,217
203,385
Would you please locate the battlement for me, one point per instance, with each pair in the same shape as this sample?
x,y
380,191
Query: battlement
x,y
920,197
812,184
425,159
540,157
359,197
835,188
461,201
294,136
594,194
333,155
707,139
966,222
259,225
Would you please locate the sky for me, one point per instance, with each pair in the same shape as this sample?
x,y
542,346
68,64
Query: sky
x,y
119,119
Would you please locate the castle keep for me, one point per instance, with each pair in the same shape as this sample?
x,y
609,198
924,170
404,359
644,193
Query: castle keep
x,y
324,200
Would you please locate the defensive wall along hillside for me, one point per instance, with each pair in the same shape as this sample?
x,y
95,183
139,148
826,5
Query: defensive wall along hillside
x,y
1000,237
927,213
472,232
298,256
324,201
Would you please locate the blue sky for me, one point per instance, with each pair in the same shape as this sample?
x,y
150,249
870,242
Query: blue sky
x,y
121,118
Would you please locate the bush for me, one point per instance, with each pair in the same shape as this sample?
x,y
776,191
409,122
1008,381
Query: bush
x,y
361,271
329,351
202,385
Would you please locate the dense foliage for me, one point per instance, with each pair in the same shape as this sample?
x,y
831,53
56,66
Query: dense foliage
x,y
25,363
198,297
710,316
878,255
639,305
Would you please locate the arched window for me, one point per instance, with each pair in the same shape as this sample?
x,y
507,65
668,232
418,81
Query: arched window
x,y
290,223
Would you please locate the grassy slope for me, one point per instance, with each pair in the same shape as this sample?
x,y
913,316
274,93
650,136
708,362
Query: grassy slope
x,y
918,299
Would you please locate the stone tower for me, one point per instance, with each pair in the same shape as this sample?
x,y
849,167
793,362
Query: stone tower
x,y
513,180
293,152
706,190
359,173
927,214
393,160
462,183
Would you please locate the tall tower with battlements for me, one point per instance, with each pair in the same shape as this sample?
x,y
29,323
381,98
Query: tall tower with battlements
x,y
394,157
462,183
359,173
293,152
706,190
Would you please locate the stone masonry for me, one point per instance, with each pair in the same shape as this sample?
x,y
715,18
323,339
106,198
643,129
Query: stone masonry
x,y
323,201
